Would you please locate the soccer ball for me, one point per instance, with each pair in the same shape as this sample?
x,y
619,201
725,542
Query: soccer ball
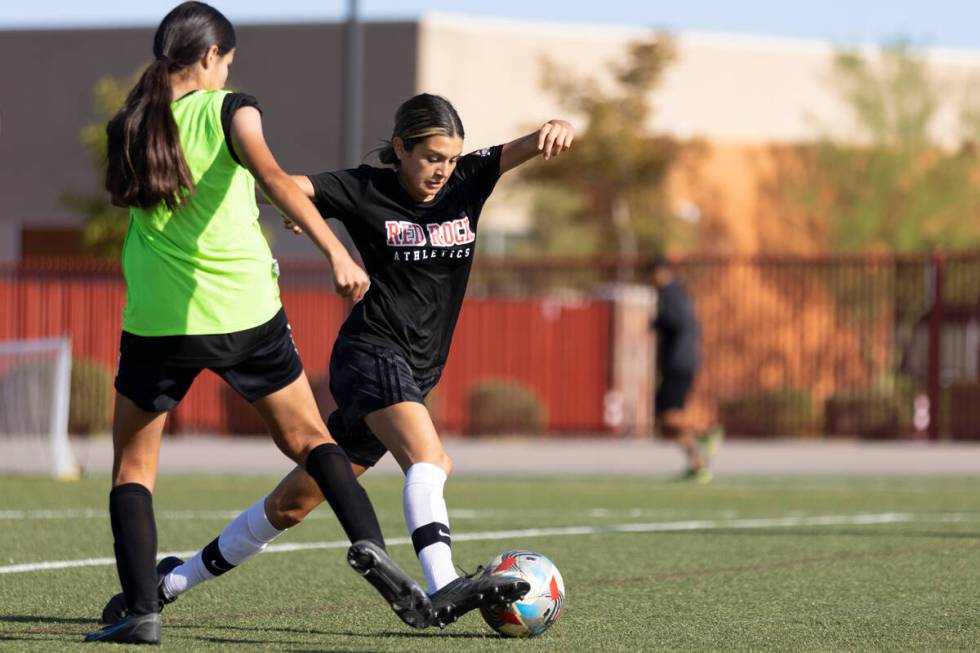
x,y
540,607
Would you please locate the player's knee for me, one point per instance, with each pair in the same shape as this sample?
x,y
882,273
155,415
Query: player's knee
x,y
134,470
299,442
288,517
445,462
284,513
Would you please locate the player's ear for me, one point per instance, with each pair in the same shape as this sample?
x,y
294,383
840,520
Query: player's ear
x,y
399,146
209,57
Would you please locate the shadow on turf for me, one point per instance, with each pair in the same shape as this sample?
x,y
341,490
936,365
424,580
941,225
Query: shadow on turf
x,y
258,642
31,618
429,634
432,632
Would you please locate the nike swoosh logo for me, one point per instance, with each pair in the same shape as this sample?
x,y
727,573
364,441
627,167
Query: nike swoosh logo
x,y
443,533
214,563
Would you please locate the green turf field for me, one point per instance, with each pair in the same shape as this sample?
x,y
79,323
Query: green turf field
x,y
740,564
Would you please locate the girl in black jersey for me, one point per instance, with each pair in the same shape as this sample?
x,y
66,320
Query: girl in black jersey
x,y
184,155
415,225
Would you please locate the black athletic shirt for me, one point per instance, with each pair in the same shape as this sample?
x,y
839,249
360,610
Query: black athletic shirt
x,y
678,330
418,254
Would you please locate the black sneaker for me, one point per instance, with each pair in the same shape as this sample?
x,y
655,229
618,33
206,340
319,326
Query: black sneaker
x,y
476,590
405,596
116,609
140,629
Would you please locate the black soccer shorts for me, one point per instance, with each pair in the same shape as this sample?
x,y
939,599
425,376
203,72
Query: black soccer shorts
x,y
155,372
365,378
675,387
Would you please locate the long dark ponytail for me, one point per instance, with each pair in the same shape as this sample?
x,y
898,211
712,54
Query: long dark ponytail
x,y
146,164
417,119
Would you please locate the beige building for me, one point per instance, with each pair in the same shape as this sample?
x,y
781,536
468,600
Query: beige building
x,y
738,93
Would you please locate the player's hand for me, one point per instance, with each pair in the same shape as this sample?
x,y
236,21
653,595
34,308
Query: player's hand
x,y
350,280
554,137
289,225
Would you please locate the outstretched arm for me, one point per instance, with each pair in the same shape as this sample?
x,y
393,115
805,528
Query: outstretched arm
x,y
554,137
249,143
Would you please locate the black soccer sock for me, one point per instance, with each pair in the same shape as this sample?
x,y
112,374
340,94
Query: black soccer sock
x,y
214,562
330,468
135,542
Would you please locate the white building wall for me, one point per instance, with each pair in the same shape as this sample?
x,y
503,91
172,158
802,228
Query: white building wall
x,y
724,88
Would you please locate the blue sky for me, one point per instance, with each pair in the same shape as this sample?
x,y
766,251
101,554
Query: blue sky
x,y
940,23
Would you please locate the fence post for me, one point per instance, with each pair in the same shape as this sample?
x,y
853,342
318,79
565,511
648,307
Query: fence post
x,y
936,345
628,404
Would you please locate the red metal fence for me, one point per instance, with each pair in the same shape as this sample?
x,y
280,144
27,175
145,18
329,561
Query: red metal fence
x,y
874,346
551,355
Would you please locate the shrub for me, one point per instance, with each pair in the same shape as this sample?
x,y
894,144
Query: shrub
x,y
868,413
505,406
90,407
780,411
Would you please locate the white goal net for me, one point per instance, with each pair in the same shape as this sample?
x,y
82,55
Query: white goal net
x,y
35,384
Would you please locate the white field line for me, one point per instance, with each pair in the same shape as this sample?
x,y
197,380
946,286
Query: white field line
x,y
659,527
208,515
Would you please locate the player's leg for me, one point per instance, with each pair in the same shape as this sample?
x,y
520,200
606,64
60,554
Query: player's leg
x,y
406,429
146,391
674,425
291,419
295,497
247,535
273,380
292,415
675,387
380,409
298,430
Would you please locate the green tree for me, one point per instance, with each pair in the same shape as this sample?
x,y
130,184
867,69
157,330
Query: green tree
x,y
890,185
105,224
608,194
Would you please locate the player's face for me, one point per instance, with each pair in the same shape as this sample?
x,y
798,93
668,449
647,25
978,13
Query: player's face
x,y
662,277
425,168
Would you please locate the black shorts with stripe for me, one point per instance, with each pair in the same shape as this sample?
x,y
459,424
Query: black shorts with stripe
x,y
155,372
365,378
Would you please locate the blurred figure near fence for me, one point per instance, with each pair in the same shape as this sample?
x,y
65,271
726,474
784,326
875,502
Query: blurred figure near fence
x,y
678,359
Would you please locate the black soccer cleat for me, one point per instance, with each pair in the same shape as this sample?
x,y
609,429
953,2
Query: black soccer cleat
x,y
138,629
476,590
405,596
116,609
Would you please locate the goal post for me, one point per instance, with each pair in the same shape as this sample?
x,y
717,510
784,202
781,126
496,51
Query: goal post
x,y
35,389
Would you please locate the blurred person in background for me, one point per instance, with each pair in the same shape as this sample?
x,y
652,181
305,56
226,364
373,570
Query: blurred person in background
x,y
678,333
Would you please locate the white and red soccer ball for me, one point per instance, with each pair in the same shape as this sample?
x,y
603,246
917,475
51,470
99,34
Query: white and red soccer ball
x,y
540,607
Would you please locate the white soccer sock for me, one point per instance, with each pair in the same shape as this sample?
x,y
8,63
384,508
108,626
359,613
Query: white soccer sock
x,y
247,535
427,519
